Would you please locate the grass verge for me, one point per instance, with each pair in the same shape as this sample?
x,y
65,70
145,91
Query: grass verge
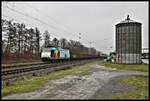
x,y
134,67
139,92
32,83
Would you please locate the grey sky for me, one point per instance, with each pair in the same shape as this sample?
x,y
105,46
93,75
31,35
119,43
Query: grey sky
x,y
94,20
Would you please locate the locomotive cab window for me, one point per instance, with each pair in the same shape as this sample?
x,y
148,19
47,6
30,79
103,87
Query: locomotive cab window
x,y
52,53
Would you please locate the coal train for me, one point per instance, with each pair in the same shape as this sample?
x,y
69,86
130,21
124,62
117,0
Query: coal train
x,y
54,54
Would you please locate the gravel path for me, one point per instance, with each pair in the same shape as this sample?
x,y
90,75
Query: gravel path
x,y
111,87
74,86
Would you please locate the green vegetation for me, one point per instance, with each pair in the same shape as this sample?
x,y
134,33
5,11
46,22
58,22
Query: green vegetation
x,y
135,67
134,94
140,92
140,81
32,83
136,80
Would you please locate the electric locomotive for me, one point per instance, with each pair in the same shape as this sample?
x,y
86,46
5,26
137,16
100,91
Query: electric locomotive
x,y
52,53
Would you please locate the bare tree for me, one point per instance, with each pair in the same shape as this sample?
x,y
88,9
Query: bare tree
x,y
46,36
63,42
16,38
21,28
38,37
56,42
4,34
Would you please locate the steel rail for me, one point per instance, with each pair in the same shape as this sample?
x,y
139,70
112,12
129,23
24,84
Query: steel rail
x,y
8,74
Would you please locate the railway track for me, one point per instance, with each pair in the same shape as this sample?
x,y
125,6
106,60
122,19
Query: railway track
x,y
12,73
18,65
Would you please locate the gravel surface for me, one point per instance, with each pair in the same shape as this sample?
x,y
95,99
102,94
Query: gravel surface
x,y
111,87
99,83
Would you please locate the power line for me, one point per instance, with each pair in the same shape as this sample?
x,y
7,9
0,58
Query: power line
x,y
51,18
15,19
34,19
18,20
31,17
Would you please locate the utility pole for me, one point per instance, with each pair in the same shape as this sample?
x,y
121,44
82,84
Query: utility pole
x,y
79,37
90,43
90,47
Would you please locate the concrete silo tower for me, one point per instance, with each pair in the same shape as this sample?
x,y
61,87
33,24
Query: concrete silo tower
x,y
128,42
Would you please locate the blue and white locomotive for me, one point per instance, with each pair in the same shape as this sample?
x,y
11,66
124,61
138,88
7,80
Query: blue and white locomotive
x,y
52,53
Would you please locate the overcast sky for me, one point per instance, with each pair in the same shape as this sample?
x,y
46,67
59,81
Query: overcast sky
x,y
94,20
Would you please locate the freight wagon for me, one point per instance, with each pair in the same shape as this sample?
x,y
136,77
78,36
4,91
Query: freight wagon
x,y
58,54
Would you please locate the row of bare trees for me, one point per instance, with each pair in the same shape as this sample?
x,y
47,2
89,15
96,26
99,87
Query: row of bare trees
x,y
20,41
72,45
